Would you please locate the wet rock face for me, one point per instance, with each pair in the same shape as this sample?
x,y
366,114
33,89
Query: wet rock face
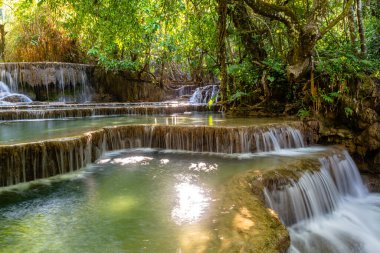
x,y
373,136
372,181
123,86
367,147
244,222
367,118
15,98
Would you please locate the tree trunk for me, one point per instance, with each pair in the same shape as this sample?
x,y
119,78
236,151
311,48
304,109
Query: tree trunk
x,y
2,42
222,20
299,58
359,11
352,28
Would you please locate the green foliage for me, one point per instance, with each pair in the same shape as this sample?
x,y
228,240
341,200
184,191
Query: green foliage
x,y
348,112
211,102
277,71
330,97
373,34
343,65
235,97
37,35
154,35
128,34
244,73
303,113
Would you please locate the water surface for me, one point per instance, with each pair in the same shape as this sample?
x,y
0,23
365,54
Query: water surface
x,y
129,201
12,132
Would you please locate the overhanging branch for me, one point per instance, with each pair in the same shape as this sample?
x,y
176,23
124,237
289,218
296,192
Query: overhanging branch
x,y
341,16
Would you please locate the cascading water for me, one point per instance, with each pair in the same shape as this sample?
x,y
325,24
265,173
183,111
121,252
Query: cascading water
x,y
8,97
61,81
275,139
203,95
329,211
41,158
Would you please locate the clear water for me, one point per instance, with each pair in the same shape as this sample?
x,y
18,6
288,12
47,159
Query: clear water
x,y
12,132
130,201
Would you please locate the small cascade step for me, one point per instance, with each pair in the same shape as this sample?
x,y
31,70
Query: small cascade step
x,y
317,193
83,110
30,161
327,208
202,95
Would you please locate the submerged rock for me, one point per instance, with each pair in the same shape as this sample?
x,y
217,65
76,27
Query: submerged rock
x,y
244,223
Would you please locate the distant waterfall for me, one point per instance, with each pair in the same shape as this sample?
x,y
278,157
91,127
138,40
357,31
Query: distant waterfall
x,y
6,96
203,94
330,210
60,81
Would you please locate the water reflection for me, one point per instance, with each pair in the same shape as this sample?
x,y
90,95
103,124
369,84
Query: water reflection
x,y
191,203
143,160
201,166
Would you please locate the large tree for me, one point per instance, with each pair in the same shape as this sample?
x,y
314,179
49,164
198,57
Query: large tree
x,y
305,22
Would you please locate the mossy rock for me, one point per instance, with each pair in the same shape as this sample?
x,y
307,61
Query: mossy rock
x,y
242,222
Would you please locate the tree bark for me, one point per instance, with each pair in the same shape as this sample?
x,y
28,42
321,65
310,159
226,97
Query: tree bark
x,y
2,42
352,28
359,11
222,56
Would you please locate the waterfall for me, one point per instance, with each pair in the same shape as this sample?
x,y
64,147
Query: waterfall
x,y
52,157
203,94
8,97
61,81
275,139
329,210
186,90
89,110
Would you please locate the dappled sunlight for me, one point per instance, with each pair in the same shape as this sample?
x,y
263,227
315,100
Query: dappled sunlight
x,y
243,220
132,160
201,166
194,239
164,161
143,160
273,213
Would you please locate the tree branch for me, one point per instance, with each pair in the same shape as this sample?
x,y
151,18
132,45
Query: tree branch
x,y
275,12
341,16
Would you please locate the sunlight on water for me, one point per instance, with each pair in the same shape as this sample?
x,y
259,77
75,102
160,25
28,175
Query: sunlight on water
x,y
132,160
203,167
138,200
36,130
191,202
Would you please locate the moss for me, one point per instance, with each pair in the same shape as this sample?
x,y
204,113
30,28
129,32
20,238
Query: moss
x,y
242,222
